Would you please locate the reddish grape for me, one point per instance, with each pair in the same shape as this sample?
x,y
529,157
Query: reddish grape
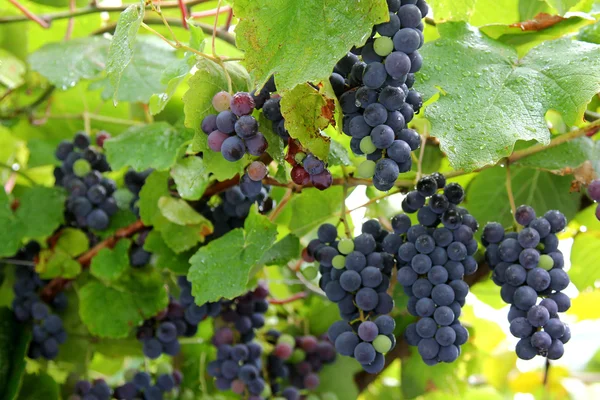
x,y
101,137
256,145
283,351
216,139
307,257
311,381
221,101
257,171
309,343
238,386
598,212
300,176
242,103
323,180
594,190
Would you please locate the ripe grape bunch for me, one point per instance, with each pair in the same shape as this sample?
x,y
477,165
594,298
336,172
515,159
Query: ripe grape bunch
x,y
134,181
181,318
594,192
47,327
295,362
356,276
527,264
91,202
433,258
138,257
306,168
139,384
374,87
233,132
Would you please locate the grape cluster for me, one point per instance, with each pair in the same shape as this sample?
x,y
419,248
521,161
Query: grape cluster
x,y
527,265
594,192
433,258
181,318
47,327
234,131
97,390
295,362
246,313
374,87
134,181
91,202
138,257
139,385
355,274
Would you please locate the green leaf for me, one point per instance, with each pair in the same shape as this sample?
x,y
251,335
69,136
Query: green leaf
x,y
122,45
39,386
585,305
272,33
182,238
66,63
562,6
487,198
313,207
485,91
13,69
338,378
110,264
494,11
113,311
584,265
208,80
528,9
568,155
276,144
72,241
149,146
338,154
180,212
57,263
283,251
164,257
191,177
488,292
40,222
221,268
11,233
590,33
13,348
307,112
458,10
176,72
154,188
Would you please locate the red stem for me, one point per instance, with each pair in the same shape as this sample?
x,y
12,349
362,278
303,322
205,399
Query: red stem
x,y
30,15
213,12
291,299
184,14
229,18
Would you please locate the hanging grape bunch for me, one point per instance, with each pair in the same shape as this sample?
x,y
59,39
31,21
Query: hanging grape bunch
x,y
91,202
374,87
528,265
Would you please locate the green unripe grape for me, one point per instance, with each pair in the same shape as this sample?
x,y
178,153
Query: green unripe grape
x,y
299,157
546,262
338,262
311,397
366,169
383,46
266,393
123,197
310,272
297,356
189,395
81,167
367,146
164,369
346,246
382,344
329,396
288,339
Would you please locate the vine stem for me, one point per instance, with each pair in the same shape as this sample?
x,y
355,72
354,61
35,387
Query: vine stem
x,y
29,15
184,14
210,13
424,137
280,207
344,214
71,22
291,299
511,197
374,200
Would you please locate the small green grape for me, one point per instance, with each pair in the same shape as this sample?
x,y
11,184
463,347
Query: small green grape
x,y
383,46
310,272
123,197
366,169
299,157
266,393
164,369
329,396
382,344
288,339
297,356
311,397
338,262
346,246
81,167
189,395
367,146
546,262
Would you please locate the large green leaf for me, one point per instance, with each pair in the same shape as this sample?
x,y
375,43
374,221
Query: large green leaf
x,y
487,198
13,348
312,207
562,6
528,9
488,99
282,252
307,112
191,177
11,233
584,260
113,311
110,264
122,45
222,268
272,33
149,146
39,386
459,10
568,155
208,80
41,221
164,257
66,63
590,33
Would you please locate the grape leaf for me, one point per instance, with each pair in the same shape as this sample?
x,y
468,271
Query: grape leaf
x,y
154,188
208,80
112,311
13,348
57,262
11,233
313,207
565,156
585,306
148,146
39,386
180,212
562,6
121,48
458,10
528,9
191,177
72,241
66,63
307,112
338,154
221,268
271,33
590,33
110,264
164,257
276,144
487,198
282,252
338,378
40,222
584,265
486,93
176,72
12,71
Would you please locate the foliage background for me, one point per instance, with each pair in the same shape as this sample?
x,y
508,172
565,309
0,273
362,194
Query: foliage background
x,y
468,61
